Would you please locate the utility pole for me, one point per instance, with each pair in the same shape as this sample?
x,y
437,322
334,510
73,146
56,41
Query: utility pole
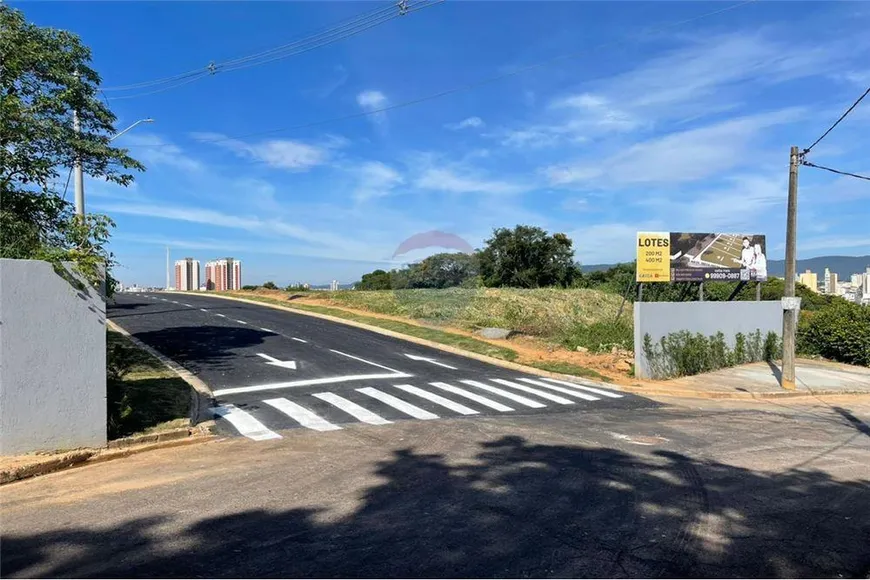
x,y
77,169
789,315
167,267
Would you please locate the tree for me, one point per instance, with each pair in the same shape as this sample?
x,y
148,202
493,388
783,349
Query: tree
x,y
270,285
44,76
527,257
377,280
444,270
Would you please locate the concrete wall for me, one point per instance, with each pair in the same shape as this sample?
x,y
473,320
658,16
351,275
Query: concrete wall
x,y
659,319
52,360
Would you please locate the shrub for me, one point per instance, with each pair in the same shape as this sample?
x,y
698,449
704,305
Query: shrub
x,y
839,331
601,336
681,354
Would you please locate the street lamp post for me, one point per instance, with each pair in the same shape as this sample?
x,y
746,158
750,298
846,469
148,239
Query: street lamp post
x,y
77,164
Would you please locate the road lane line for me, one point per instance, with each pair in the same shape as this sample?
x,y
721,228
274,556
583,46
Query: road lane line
x,y
398,404
437,399
221,315
570,392
308,382
352,409
302,415
241,321
536,392
473,396
506,394
365,361
203,309
188,305
585,388
244,423
297,339
267,330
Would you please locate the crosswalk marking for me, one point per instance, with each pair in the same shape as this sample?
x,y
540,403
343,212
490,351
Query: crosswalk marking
x,y
397,403
302,415
506,394
585,388
437,399
244,423
473,396
536,392
352,409
570,392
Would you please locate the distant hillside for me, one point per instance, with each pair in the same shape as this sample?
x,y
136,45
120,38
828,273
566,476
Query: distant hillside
x,y
844,266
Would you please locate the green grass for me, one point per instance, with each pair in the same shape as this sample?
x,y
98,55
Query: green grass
x,y
567,368
143,395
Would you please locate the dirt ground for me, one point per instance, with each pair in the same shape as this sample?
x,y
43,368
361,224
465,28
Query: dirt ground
x,y
615,366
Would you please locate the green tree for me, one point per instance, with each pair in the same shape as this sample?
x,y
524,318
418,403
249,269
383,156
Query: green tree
x,y
528,257
377,280
270,285
444,270
44,76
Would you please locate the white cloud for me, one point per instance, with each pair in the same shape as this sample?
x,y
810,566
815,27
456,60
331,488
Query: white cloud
x,y
469,123
680,157
376,179
447,180
371,101
287,154
153,150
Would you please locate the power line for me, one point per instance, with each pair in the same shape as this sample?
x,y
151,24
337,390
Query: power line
x,y
347,29
837,171
481,82
843,116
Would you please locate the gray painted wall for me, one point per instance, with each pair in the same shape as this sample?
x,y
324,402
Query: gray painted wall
x,y
52,360
659,319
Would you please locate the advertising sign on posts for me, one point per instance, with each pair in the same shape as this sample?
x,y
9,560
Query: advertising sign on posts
x,y
693,257
653,257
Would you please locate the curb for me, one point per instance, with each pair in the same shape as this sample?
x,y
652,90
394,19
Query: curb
x,y
634,389
431,344
201,395
116,450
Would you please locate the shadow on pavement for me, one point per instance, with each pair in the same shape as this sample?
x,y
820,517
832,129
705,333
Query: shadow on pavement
x,y
198,347
516,510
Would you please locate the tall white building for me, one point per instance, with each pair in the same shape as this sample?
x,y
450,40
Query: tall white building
x,y
333,285
187,274
223,274
830,282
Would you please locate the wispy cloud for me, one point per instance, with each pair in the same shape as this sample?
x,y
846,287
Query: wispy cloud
x,y
288,154
375,179
469,123
373,100
155,151
448,180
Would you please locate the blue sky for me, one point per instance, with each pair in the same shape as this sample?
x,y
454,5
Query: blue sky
x,y
684,129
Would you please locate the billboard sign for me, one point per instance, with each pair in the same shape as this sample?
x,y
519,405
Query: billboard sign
x,y
700,257
653,257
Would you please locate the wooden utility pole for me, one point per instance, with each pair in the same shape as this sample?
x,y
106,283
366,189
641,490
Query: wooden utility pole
x,y
789,315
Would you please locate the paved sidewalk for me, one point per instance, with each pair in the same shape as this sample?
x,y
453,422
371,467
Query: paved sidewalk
x,y
761,380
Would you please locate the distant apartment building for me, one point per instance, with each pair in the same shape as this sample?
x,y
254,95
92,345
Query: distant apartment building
x,y
830,282
333,285
810,280
223,274
187,274
867,282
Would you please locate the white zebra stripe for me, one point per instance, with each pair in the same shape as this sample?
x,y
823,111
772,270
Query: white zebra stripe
x,y
398,403
352,409
437,399
536,392
570,392
301,415
585,388
506,394
473,396
244,423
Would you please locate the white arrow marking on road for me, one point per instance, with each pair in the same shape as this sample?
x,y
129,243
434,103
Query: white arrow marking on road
x,y
429,360
287,364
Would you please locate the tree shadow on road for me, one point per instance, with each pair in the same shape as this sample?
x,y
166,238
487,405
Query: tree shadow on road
x,y
200,348
515,510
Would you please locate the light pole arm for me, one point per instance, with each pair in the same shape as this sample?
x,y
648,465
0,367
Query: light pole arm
x,y
130,127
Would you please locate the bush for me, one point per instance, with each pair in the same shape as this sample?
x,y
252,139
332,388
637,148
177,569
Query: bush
x,y
250,287
681,354
839,331
601,336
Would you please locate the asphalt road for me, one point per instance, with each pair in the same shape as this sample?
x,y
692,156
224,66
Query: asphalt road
x,y
272,370
761,489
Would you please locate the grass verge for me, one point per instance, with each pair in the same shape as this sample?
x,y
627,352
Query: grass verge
x,y
567,368
143,396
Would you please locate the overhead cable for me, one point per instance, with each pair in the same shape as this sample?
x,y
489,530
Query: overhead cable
x,y
837,171
843,116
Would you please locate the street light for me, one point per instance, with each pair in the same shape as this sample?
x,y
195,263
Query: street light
x,y
77,164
